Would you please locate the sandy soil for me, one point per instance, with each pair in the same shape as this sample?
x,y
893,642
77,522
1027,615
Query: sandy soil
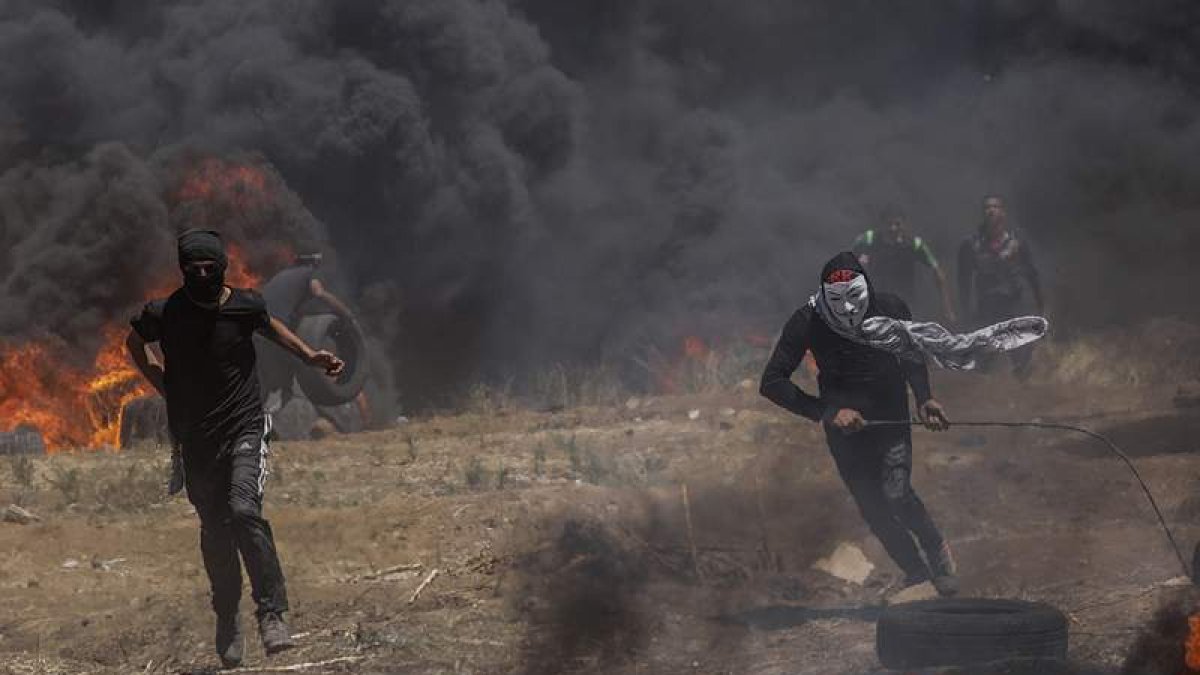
x,y
560,539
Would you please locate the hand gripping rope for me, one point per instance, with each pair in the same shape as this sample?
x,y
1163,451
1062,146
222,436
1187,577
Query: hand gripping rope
x,y
1112,447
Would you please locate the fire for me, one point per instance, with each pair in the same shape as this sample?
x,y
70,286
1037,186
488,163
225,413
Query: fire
x,y
212,178
1192,646
73,406
77,406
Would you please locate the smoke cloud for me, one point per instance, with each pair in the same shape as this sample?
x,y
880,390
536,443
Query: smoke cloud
x,y
531,181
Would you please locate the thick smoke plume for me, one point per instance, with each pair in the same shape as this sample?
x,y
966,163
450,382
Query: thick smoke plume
x,y
512,183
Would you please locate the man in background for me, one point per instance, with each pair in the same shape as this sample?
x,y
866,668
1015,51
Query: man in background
x,y
293,292
994,266
892,254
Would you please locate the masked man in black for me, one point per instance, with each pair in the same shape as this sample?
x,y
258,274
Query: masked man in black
x,y
858,383
204,332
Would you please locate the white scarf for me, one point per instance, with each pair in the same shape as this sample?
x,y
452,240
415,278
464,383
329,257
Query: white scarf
x,y
919,340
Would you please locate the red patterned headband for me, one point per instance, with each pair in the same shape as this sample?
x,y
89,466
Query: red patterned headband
x,y
837,276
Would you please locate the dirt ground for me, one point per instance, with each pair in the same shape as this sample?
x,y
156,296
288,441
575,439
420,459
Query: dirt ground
x,y
560,540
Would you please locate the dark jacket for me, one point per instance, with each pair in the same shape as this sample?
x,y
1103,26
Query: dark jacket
x,y
852,375
992,273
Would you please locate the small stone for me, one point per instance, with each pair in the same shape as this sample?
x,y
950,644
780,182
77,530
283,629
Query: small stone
x,y
694,414
914,593
322,428
728,412
633,403
848,563
70,564
18,515
746,384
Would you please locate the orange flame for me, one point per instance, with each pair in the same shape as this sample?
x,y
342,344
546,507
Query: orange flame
x,y
1192,646
73,406
81,406
694,353
212,178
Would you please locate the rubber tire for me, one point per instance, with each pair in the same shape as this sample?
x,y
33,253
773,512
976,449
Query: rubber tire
x,y
22,441
327,331
144,419
966,631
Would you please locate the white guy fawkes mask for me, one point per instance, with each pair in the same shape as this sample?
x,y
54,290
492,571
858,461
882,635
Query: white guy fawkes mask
x,y
848,300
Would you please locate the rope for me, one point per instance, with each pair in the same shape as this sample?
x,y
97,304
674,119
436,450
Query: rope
x,y
1187,571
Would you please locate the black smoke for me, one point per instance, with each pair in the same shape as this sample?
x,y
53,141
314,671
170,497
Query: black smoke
x,y
532,181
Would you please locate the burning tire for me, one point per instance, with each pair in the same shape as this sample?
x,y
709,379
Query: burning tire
x,y
22,441
327,331
144,419
965,631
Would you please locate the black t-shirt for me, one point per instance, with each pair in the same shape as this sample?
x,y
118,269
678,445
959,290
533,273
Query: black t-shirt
x,y
851,375
211,385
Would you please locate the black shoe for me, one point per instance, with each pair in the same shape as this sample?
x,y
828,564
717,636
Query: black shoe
x,y
230,645
945,571
274,633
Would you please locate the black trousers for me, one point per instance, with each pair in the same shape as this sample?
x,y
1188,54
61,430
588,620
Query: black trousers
x,y
227,488
876,465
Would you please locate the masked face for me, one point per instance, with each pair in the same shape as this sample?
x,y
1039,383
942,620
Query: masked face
x,y
848,300
203,281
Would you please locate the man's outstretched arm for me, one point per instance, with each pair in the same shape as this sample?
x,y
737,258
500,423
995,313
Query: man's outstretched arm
x,y
150,369
281,335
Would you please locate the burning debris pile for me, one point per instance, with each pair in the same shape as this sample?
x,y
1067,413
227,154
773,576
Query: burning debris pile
x,y
1170,645
507,169
64,372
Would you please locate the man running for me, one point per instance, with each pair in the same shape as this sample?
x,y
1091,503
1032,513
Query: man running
x,y
858,382
214,412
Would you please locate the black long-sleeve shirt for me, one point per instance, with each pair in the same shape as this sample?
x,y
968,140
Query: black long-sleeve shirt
x,y
852,375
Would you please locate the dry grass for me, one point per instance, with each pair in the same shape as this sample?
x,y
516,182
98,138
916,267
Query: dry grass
x,y
560,538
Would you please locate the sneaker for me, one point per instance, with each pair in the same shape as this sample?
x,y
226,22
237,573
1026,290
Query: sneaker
x,y
274,633
229,641
945,571
911,593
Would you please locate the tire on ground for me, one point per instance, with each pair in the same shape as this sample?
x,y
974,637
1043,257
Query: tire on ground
x,y
965,631
327,331
144,419
22,441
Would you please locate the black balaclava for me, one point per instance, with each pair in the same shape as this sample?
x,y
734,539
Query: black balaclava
x,y
203,245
